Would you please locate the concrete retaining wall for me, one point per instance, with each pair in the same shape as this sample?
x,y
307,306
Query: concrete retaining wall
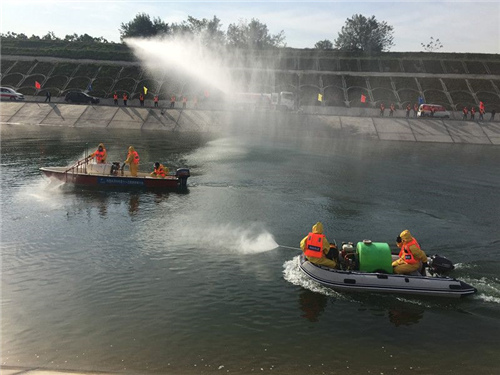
x,y
204,120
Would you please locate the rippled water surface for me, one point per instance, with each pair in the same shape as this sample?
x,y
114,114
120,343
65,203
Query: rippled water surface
x,y
192,282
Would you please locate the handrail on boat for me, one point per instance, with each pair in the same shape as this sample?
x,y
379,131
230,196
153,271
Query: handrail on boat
x,y
78,164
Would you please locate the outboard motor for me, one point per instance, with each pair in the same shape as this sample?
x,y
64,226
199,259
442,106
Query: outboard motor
x,y
182,174
439,264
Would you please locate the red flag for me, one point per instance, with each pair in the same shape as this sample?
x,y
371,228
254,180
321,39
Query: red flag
x,y
37,85
363,98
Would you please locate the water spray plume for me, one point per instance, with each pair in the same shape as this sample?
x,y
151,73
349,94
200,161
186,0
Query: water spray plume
x,y
186,56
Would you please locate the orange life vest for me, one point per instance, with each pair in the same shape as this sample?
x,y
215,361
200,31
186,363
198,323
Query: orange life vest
x,y
141,97
99,155
136,157
125,97
156,99
466,110
314,245
160,171
406,253
115,97
172,99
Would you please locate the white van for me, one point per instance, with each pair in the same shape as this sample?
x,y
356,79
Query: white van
x,y
425,110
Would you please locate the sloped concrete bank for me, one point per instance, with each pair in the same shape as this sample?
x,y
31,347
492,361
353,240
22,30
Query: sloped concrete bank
x,y
203,120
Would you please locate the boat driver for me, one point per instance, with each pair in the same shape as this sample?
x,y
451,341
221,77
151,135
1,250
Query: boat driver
x,y
316,247
100,154
411,256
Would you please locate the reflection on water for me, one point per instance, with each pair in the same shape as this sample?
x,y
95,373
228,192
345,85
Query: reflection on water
x,y
312,304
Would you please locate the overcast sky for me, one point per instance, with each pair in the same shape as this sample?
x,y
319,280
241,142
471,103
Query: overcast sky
x,y
462,26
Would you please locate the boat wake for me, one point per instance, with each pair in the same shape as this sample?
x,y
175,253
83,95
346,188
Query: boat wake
x,y
292,274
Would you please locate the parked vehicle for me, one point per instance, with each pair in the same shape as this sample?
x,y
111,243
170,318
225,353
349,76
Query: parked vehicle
x,y
10,94
80,97
425,110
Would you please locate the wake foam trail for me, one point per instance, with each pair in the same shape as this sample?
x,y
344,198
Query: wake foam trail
x,y
292,274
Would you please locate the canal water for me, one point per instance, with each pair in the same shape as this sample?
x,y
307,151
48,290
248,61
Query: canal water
x,y
194,282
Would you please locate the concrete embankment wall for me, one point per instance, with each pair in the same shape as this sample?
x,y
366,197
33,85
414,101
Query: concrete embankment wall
x,y
204,120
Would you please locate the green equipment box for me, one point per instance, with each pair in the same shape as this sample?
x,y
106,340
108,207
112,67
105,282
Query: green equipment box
x,y
374,256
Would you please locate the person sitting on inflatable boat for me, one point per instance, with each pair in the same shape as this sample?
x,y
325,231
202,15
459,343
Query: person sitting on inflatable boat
x,y
411,255
316,247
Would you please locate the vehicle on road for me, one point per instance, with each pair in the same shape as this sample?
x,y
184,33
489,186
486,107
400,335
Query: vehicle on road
x,y
425,110
80,97
10,94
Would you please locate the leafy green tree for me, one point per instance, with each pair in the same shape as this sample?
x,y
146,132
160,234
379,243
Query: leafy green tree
x,y
143,26
209,31
365,34
324,44
253,35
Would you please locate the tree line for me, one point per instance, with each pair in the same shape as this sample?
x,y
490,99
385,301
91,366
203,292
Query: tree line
x,y
359,34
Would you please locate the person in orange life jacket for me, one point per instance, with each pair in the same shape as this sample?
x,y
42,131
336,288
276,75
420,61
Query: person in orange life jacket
x,y
156,100
159,171
115,98
472,113
411,255
132,161
391,109
465,112
100,154
141,100
125,98
415,110
316,247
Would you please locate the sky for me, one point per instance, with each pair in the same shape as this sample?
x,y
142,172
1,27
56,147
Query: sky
x,y
461,26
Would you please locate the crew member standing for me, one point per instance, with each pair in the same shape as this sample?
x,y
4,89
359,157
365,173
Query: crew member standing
x,y
391,110
156,99
411,255
415,109
115,98
132,161
184,102
141,100
408,109
472,113
382,109
172,101
465,112
125,98
316,247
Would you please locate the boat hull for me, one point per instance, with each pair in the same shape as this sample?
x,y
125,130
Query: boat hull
x,y
353,281
113,181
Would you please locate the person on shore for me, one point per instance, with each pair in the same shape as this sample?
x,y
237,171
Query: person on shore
x,y
172,101
133,161
159,171
100,154
465,111
411,256
317,249
141,100
382,109
115,98
184,102
391,110
408,110
433,110
125,99
472,113
493,112
48,95
195,102
156,99
481,114
415,109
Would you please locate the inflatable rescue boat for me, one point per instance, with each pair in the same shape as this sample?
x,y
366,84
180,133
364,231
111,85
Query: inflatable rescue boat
x,y
367,267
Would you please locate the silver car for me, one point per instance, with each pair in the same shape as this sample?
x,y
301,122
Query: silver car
x,y
10,94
